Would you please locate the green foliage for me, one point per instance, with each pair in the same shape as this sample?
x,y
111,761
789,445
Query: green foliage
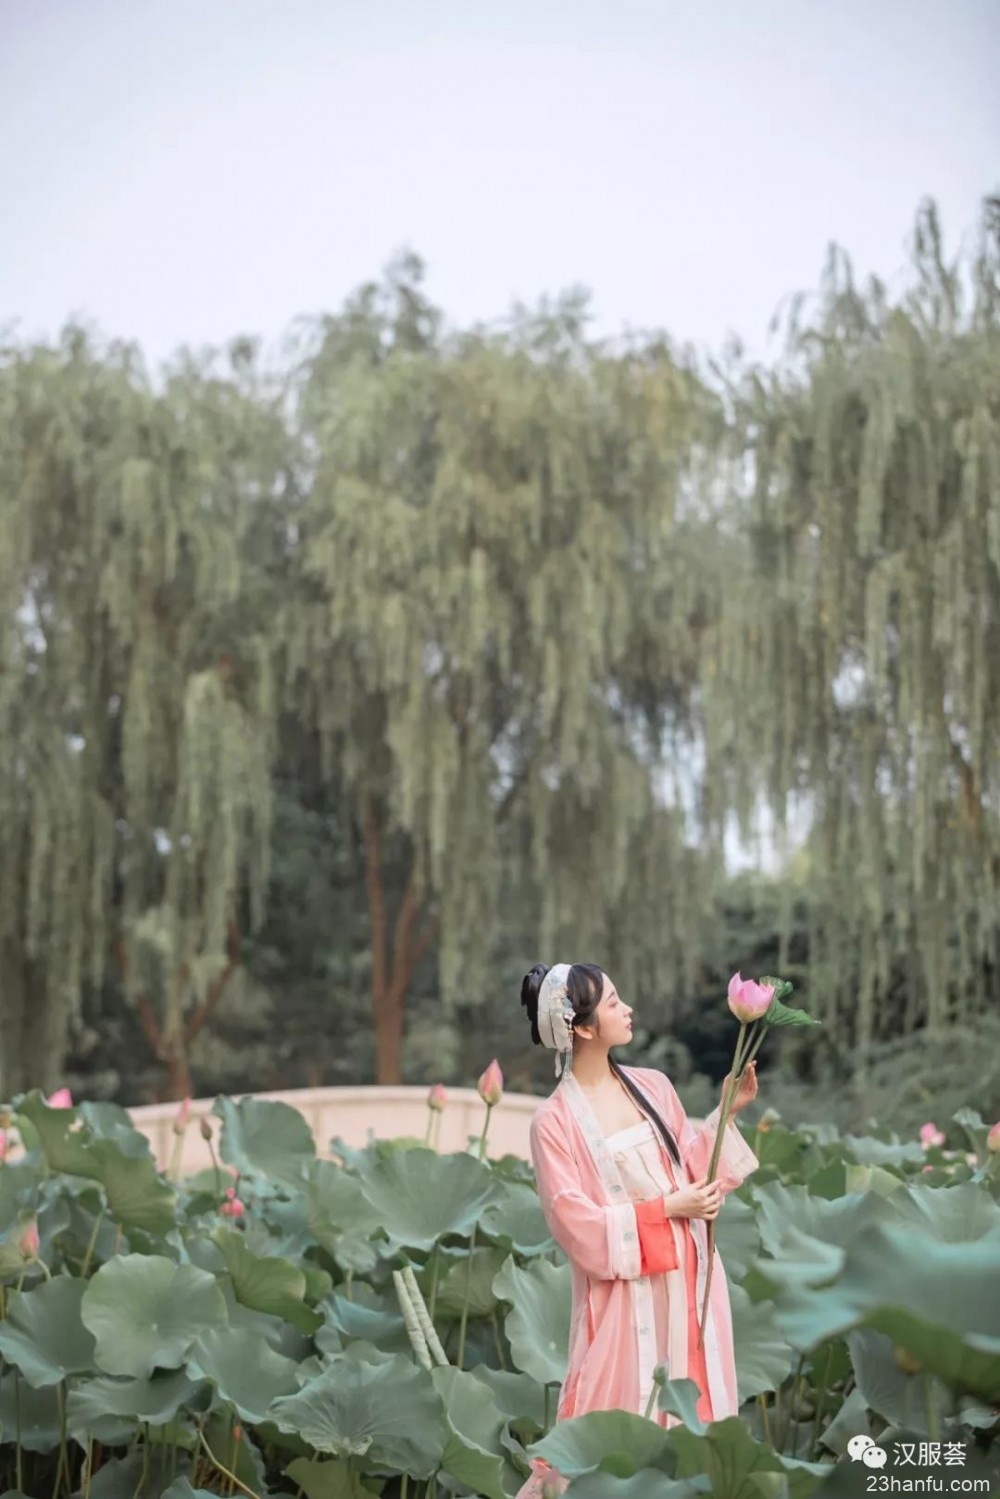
x,y
272,1348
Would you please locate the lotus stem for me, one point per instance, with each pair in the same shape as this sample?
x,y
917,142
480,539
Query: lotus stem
x,y
649,1403
746,1045
496,1339
762,1403
468,1284
413,1328
420,1307
224,1470
482,1138
91,1244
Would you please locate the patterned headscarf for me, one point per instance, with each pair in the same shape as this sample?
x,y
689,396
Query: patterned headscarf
x,y
555,1015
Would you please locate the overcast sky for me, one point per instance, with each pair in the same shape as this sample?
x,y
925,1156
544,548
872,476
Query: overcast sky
x,y
185,170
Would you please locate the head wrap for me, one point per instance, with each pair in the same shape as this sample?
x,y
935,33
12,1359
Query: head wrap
x,y
555,1015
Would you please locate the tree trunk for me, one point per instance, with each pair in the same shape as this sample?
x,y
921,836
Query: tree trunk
x,y
390,989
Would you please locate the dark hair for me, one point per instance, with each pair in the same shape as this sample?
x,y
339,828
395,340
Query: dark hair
x,y
585,985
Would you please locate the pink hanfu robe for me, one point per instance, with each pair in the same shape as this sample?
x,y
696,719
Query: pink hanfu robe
x,y
638,1277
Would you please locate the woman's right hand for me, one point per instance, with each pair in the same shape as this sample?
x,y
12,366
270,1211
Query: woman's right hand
x,y
700,1199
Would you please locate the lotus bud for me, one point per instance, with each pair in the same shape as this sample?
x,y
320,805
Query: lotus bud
x,y
553,1486
232,1207
206,1130
60,1099
905,1361
491,1084
930,1135
180,1124
437,1098
747,1000
993,1138
767,1119
29,1242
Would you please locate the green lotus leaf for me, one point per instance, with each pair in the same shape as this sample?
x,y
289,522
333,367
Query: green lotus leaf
x,y
735,1463
265,1282
267,1137
680,1397
369,1316
473,1274
872,1179
764,1358
938,1300
850,1421
830,1223
146,1312
327,1478
43,1334
181,1489
538,1321
34,1414
961,1214
388,1412
829,1182
737,1237
901,1399
613,1441
516,1221
137,1196
138,1473
246,1372
868,1151
647,1483
781,1015
473,1453
109,1121
340,1218
19,1182
419,1196
109,1410
517,1397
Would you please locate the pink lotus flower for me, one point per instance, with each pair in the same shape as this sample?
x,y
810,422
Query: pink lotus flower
x,y
491,1084
180,1124
930,1135
747,1000
232,1207
993,1138
60,1099
437,1098
29,1242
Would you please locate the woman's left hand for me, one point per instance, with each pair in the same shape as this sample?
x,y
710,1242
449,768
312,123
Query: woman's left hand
x,y
747,1091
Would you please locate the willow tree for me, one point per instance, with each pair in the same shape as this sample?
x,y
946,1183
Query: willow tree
x,y
859,660
493,624
135,696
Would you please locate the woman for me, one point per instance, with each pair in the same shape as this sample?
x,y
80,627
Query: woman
x,y
622,1180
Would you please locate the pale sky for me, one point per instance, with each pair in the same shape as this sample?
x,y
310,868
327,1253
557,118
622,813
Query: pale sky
x,y
186,170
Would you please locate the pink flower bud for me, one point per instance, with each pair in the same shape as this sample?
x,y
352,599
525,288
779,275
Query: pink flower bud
x,y
232,1207
437,1098
491,1084
29,1242
180,1124
993,1138
747,1000
60,1099
930,1135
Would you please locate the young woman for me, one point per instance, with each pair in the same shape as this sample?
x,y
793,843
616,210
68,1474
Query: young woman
x,y
622,1180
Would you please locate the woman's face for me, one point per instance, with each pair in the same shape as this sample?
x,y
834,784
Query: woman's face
x,y
614,1016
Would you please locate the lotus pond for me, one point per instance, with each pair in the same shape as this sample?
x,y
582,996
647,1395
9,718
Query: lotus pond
x,y
395,1321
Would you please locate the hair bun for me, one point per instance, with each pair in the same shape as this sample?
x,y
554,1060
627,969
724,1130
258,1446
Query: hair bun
x,y
530,987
